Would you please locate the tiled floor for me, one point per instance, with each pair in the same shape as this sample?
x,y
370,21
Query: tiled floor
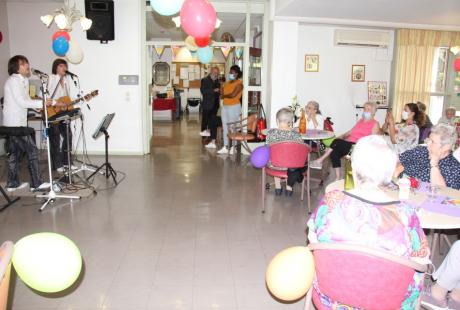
x,y
183,231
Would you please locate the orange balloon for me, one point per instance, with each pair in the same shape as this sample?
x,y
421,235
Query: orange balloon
x,y
290,273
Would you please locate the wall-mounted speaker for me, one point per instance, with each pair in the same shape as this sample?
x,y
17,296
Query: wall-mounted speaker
x,y
101,13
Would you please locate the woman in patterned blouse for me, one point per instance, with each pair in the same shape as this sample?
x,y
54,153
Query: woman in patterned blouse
x,y
434,162
405,135
284,133
367,216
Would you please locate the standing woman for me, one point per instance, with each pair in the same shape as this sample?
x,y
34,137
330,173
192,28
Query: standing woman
x,y
231,94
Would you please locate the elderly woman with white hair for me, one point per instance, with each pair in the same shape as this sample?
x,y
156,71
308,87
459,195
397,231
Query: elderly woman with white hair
x,y
341,146
284,133
449,117
314,118
434,162
367,216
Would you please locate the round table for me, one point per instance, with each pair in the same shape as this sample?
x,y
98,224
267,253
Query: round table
x,y
312,135
428,220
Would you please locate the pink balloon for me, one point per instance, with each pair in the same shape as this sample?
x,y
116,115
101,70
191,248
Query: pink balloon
x,y
198,18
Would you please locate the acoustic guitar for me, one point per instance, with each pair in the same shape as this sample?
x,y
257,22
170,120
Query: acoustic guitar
x,y
69,103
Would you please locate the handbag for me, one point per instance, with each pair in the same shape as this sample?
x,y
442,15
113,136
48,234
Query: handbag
x,y
261,123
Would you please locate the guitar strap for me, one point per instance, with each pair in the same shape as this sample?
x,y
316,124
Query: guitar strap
x,y
57,85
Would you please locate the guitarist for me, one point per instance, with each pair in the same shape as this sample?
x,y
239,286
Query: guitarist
x,y
60,84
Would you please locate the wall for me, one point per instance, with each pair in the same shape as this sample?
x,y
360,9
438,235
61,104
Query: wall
x,y
4,46
283,67
331,86
99,70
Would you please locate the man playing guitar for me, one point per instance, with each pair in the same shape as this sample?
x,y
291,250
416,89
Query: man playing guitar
x,y
60,84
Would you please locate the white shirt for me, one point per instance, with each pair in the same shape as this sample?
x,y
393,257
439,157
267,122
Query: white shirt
x,y
17,101
319,120
457,154
69,88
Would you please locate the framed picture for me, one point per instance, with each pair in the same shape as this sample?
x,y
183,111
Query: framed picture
x,y
311,63
358,73
377,93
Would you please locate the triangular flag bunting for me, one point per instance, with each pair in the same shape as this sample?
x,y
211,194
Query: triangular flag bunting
x,y
159,50
175,50
238,52
225,51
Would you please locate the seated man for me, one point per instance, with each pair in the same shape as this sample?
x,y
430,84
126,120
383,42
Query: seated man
x,y
435,162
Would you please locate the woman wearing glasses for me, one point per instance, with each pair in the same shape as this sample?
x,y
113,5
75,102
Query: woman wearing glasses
x,y
435,162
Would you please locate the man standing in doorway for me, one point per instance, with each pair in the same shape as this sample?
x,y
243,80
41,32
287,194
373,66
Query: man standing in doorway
x,y
210,89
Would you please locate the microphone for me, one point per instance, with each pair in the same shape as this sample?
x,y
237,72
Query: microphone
x,y
38,72
72,75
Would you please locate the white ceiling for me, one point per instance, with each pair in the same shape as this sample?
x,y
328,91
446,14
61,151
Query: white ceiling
x,y
433,14
162,27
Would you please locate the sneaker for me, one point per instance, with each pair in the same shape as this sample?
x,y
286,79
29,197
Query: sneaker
x,y
43,186
316,165
430,303
211,145
12,189
205,133
60,169
231,151
223,151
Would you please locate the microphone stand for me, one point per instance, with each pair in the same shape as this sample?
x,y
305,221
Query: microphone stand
x,y
51,195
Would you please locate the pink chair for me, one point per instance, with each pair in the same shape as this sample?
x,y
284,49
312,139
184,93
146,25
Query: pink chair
x,y
6,254
284,155
360,276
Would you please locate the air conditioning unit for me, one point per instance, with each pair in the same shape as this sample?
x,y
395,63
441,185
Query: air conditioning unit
x,y
362,38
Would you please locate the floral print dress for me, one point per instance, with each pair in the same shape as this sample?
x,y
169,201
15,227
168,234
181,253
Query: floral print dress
x,y
392,226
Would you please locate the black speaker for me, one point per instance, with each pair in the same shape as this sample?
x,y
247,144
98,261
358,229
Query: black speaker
x,y
101,13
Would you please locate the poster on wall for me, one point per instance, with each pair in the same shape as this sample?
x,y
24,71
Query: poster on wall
x,y
311,63
377,93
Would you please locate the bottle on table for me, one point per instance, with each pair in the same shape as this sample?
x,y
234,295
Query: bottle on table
x,y
303,123
349,182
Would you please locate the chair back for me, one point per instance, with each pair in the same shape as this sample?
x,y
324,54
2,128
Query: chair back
x,y
6,254
362,277
252,122
289,154
327,124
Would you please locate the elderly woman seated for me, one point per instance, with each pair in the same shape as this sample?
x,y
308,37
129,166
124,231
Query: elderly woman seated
x,y
367,216
341,146
405,135
449,117
284,133
434,162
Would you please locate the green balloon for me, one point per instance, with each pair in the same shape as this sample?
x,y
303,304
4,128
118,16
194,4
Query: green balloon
x,y
47,262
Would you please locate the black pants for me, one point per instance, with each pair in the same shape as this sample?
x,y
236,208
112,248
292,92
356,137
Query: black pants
x,y
18,145
207,114
339,148
59,152
216,122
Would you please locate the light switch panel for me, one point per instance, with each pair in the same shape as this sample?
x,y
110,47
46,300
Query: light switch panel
x,y
128,79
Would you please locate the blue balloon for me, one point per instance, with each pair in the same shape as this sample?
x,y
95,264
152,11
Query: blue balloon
x,y
260,156
60,46
205,54
166,7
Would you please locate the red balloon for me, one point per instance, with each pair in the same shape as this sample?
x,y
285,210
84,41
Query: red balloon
x,y
457,64
198,18
61,33
202,42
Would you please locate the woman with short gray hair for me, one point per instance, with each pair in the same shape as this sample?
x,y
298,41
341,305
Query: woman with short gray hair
x,y
367,216
284,133
313,114
341,146
434,162
449,117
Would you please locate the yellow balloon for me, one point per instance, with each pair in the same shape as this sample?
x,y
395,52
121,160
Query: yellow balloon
x,y
290,273
47,262
190,44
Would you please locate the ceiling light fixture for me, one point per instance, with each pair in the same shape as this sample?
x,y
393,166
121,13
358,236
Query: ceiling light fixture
x,y
66,16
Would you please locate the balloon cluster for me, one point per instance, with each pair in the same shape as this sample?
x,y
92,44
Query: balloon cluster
x,y
198,19
63,46
457,64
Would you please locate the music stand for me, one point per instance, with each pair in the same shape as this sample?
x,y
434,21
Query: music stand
x,y
102,129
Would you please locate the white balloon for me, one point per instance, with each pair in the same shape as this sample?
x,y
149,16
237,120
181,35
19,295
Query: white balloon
x,y
75,53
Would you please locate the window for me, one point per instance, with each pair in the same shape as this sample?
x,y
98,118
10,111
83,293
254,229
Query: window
x,y
438,83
